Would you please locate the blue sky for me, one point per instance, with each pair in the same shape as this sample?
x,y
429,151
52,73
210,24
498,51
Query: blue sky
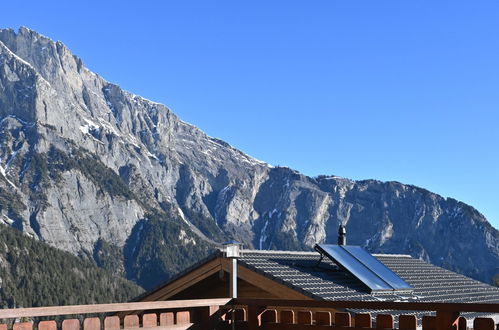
x,y
390,90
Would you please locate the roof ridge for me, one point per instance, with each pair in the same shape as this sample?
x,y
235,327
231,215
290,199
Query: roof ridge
x,y
316,253
280,252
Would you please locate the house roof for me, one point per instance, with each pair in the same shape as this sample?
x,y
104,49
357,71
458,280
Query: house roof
x,y
322,279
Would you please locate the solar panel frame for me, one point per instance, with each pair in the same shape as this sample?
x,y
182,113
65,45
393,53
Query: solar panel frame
x,y
369,270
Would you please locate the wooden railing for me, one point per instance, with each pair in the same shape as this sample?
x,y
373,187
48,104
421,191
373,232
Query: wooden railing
x,y
175,314
317,315
244,314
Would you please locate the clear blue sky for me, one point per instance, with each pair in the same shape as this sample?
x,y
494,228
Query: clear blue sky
x,y
391,90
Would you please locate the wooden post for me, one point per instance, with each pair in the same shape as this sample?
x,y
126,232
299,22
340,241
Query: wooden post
x,y
91,323
253,313
446,320
323,318
463,323
71,324
407,322
384,321
150,320
46,325
342,319
429,322
112,323
363,320
183,317
131,322
22,326
304,317
287,317
166,319
481,323
269,316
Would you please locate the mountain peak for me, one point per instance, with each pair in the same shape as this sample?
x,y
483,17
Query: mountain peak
x,y
82,161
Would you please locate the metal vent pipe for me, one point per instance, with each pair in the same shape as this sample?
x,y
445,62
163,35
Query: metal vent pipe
x,y
342,235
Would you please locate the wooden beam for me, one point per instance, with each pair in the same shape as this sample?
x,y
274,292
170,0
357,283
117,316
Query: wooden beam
x,y
375,305
109,308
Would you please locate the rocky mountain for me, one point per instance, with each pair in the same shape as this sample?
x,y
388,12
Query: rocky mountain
x,y
107,175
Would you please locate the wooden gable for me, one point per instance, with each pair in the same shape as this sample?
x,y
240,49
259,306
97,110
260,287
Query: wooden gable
x,y
212,280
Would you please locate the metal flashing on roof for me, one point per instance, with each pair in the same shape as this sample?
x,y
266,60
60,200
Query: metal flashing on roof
x,y
366,268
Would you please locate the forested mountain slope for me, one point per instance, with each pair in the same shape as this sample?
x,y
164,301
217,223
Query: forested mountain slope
x,y
33,273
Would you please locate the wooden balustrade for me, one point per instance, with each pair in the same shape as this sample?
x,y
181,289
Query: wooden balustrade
x,y
250,314
275,314
177,314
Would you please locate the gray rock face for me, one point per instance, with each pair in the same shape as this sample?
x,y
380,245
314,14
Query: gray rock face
x,y
83,161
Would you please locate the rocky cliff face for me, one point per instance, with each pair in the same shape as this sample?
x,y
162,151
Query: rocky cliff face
x,y
84,162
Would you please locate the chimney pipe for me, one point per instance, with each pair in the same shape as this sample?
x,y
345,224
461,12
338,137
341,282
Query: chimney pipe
x,y
232,251
342,235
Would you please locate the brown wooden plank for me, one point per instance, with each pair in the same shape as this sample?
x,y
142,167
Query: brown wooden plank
x,y
287,317
183,317
384,321
149,320
323,318
303,317
408,322
131,322
446,320
462,323
91,323
22,326
343,319
429,322
253,322
108,308
483,323
71,324
112,323
363,320
166,319
46,325
269,316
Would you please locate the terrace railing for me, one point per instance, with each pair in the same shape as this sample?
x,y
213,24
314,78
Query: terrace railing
x,y
317,315
251,314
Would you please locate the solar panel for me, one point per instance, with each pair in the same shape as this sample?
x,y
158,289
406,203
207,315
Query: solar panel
x,y
364,266
359,270
377,267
